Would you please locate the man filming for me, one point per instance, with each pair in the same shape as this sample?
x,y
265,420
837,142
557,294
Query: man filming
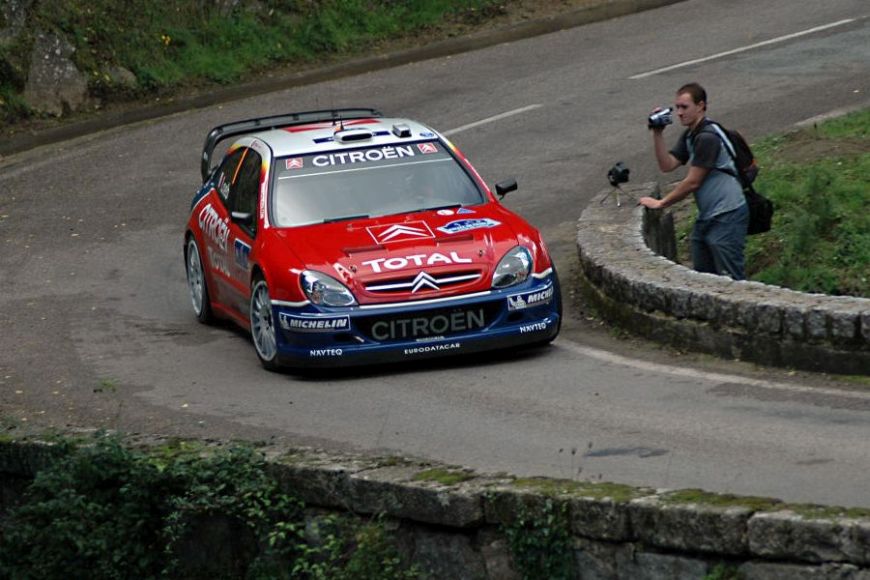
x,y
719,235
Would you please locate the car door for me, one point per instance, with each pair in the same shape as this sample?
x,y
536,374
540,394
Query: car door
x,y
242,203
214,222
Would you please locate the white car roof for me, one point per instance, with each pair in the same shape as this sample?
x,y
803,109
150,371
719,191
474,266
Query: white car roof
x,y
319,137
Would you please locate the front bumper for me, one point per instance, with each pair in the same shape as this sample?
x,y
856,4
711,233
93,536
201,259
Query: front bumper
x,y
312,337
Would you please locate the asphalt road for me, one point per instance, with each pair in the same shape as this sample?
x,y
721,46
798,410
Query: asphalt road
x,y
96,328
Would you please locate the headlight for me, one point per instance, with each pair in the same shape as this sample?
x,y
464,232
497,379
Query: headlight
x,y
514,268
324,290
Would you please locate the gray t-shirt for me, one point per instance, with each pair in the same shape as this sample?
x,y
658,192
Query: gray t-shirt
x,y
720,191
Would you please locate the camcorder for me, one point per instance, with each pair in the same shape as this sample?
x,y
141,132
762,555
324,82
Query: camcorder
x,y
660,119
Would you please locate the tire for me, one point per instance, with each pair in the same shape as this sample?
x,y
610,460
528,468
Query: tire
x,y
196,283
557,295
263,332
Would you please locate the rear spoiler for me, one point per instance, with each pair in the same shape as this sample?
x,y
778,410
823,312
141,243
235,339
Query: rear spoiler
x,y
223,132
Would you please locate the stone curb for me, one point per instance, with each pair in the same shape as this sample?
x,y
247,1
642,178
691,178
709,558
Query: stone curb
x,y
775,535
635,288
371,486
647,524
604,10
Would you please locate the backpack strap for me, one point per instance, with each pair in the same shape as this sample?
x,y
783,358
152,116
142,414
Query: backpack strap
x,y
729,148
717,128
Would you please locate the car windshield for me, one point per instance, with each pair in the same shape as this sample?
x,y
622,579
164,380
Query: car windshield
x,y
372,182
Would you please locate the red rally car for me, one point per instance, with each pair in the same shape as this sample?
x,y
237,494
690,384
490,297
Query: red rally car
x,y
341,237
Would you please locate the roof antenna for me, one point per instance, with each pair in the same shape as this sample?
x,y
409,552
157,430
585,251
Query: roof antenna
x,y
337,117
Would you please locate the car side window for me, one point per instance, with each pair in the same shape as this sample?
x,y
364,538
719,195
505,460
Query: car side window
x,y
245,187
225,175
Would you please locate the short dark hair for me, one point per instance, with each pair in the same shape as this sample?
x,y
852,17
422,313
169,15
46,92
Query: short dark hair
x,y
695,91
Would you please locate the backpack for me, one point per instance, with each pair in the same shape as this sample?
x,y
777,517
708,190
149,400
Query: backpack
x,y
740,152
760,208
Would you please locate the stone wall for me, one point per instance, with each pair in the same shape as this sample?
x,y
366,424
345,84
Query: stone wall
x,y
637,289
458,531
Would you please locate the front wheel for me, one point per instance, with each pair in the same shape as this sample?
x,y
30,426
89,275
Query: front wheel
x,y
263,331
557,295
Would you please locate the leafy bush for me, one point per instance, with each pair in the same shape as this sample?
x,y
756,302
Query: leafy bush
x,y
107,511
97,512
541,544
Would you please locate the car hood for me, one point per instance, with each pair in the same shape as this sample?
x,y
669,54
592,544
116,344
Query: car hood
x,y
414,256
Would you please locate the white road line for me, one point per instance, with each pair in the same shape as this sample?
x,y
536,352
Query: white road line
x,y
491,119
609,357
743,49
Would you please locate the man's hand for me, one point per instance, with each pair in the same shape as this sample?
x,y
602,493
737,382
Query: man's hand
x,y
650,202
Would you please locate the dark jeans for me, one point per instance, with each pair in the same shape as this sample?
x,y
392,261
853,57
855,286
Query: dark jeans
x,y
718,242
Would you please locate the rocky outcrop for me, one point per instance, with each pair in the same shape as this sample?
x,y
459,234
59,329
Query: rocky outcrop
x,y
43,64
13,16
54,84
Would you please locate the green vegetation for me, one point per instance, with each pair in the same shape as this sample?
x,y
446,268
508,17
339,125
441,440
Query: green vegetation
x,y
821,512
819,182
724,572
443,476
542,545
107,511
697,496
566,487
171,44
107,386
761,504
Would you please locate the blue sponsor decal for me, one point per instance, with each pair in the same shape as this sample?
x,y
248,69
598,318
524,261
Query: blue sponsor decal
x,y
242,251
314,323
531,299
458,226
465,210
427,134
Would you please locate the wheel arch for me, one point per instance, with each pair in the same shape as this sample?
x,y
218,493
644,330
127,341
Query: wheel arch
x,y
258,272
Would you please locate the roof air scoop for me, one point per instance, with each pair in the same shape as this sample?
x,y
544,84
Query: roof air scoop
x,y
401,130
353,135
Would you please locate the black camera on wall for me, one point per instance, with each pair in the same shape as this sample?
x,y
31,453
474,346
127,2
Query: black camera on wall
x,y
618,174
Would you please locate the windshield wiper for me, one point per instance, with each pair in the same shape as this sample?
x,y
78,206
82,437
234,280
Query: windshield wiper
x,y
346,218
436,208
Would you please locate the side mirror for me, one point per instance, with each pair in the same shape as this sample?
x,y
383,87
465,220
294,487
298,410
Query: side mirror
x,y
243,218
502,188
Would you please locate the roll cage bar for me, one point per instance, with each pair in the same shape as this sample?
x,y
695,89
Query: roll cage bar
x,y
223,132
